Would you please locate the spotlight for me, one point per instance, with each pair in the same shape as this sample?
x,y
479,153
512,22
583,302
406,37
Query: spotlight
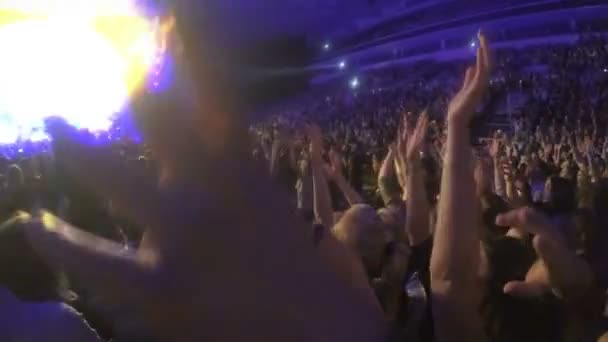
x,y
473,44
342,65
326,46
354,83
95,57
605,69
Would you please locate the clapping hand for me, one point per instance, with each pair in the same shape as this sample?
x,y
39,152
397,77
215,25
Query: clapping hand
x,y
463,105
411,149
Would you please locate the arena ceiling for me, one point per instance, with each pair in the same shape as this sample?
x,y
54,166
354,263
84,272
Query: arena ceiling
x,y
328,18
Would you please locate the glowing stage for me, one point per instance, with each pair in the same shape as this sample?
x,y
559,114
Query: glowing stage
x,y
78,59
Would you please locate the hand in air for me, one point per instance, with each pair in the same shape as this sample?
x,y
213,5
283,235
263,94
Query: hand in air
x,y
414,142
558,269
334,168
463,105
315,135
494,148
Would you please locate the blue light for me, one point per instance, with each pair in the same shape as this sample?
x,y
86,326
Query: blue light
x,y
473,44
342,65
326,46
354,83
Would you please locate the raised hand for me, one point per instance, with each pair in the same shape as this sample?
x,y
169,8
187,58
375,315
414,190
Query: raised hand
x,y
494,148
463,105
416,140
335,163
316,138
456,248
558,269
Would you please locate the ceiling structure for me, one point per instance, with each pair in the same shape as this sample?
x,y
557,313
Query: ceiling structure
x,y
334,20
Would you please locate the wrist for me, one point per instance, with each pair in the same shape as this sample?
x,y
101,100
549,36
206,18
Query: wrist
x,y
457,123
458,131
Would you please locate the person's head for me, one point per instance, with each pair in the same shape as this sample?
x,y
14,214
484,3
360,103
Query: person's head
x,y
22,271
393,218
363,232
509,318
559,195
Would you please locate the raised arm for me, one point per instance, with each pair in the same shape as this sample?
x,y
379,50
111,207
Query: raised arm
x,y
386,177
499,179
509,175
417,225
57,242
274,158
321,196
337,174
456,251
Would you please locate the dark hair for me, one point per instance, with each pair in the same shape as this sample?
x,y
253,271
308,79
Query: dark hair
x,y
562,198
22,271
507,318
492,206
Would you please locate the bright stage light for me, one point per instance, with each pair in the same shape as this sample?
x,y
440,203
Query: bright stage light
x,y
80,60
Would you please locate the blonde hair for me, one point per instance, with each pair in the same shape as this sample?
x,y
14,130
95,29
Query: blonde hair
x,y
363,232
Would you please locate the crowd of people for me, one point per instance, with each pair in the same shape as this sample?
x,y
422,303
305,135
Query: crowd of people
x,y
386,216
378,176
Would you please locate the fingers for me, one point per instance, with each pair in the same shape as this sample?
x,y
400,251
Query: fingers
x,y
486,52
424,121
537,283
524,289
482,68
421,128
335,159
568,273
468,77
526,220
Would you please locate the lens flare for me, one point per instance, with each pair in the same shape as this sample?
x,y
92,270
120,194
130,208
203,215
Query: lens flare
x,y
78,59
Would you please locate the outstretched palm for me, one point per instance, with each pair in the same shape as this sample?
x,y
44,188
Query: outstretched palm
x,y
415,140
463,105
